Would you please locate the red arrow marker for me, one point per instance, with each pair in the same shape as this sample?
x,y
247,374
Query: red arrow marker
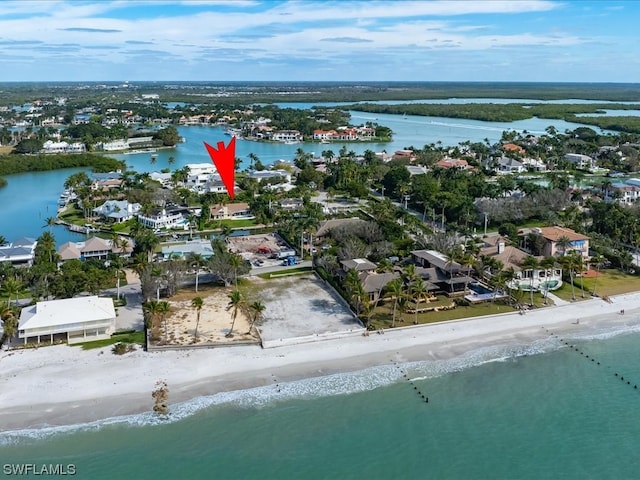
x,y
224,158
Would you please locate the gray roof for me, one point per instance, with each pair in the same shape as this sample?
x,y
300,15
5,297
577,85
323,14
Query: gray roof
x,y
436,259
358,264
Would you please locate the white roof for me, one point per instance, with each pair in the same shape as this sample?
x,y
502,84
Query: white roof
x,y
66,311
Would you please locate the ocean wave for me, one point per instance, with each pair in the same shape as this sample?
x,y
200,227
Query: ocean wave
x,y
330,385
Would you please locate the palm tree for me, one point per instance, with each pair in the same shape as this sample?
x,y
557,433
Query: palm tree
x,y
235,303
12,286
196,260
163,311
253,160
564,243
453,255
548,263
530,263
197,303
151,310
117,263
597,261
396,290
256,308
419,290
234,262
49,222
569,264
9,324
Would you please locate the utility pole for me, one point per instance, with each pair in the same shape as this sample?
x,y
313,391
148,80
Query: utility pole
x,y
485,222
382,191
406,200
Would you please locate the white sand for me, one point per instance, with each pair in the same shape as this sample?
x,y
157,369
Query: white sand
x,y
64,385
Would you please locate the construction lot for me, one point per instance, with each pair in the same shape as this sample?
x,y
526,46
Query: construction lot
x,y
260,250
302,308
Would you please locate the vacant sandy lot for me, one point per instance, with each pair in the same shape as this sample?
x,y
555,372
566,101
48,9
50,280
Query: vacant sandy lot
x,y
300,306
215,320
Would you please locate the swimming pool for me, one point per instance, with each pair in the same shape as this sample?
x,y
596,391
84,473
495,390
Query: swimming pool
x,y
479,289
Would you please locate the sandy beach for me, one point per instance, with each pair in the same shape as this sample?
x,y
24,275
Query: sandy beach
x,y
64,385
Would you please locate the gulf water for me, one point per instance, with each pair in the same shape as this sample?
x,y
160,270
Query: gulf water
x,y
535,411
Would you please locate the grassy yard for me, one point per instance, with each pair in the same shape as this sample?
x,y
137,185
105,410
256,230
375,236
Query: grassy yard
x,y
609,282
124,337
382,315
73,214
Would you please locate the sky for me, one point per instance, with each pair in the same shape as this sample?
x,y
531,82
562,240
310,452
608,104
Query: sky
x,y
247,40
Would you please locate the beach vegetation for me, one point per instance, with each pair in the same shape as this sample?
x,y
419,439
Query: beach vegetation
x,y
197,303
124,337
236,303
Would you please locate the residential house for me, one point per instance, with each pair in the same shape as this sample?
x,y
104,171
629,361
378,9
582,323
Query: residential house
x,y
291,204
117,211
94,248
359,265
140,142
182,250
416,169
106,181
20,252
625,193
506,165
457,163
553,239
581,162
163,218
286,136
449,277
231,211
114,145
512,148
510,256
374,283
71,320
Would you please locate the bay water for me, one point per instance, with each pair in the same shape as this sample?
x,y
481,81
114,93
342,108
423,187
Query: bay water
x,y
541,410
29,198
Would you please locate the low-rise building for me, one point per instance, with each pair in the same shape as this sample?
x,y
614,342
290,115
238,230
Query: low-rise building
x,y
163,218
231,211
554,238
582,162
117,211
20,252
457,163
95,248
71,320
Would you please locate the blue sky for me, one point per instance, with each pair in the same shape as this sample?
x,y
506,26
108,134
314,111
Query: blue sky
x,y
238,40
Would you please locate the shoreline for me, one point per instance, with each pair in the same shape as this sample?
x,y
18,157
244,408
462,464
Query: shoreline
x,y
62,385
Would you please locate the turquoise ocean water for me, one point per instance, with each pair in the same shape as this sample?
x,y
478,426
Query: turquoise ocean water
x,y
535,411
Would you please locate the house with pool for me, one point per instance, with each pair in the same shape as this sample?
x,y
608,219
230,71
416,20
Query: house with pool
x,y
540,279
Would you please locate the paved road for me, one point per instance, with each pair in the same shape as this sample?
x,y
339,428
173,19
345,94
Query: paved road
x,y
130,317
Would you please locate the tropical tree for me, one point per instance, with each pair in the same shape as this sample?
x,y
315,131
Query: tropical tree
x,y
163,312
453,256
197,303
419,291
395,291
257,308
10,287
151,311
234,305
548,263
569,265
196,260
49,222
564,243
597,261
9,324
530,263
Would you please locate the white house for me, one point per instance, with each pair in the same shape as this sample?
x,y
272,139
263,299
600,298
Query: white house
x,y
117,210
115,145
163,219
506,165
583,162
19,252
72,320
625,193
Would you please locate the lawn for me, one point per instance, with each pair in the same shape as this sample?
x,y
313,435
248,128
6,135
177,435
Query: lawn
x,y
73,214
382,315
609,282
124,337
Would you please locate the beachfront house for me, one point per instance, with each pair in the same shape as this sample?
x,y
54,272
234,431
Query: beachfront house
x,y
184,249
511,257
448,276
555,238
70,320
